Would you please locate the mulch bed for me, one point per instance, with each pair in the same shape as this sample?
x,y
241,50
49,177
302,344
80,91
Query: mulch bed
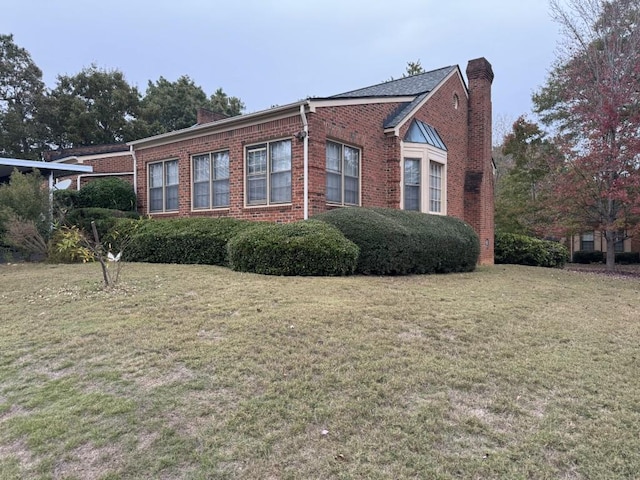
x,y
620,271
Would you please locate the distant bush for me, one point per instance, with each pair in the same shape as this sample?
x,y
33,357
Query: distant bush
x,y
523,250
398,242
626,258
588,256
308,247
105,219
180,240
113,193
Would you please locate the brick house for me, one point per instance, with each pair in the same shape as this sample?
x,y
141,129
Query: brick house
x,y
107,161
417,143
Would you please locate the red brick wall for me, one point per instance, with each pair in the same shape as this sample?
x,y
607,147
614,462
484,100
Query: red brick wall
x,y
235,142
478,195
109,165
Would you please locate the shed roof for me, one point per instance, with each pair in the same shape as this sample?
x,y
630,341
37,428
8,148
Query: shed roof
x,y
7,165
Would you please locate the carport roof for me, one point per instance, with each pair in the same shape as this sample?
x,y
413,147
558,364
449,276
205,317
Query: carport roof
x,y
46,168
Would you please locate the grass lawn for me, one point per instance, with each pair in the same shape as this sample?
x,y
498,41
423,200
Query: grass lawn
x,y
199,372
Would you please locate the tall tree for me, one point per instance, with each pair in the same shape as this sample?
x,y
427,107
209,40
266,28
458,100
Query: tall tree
x,y
21,93
220,102
91,108
592,101
414,68
168,106
522,183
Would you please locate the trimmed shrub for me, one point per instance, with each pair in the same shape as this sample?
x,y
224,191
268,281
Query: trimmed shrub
x,y
398,242
626,258
113,193
308,247
105,219
180,240
588,256
523,250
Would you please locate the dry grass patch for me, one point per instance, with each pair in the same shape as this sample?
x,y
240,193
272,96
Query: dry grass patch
x,y
200,372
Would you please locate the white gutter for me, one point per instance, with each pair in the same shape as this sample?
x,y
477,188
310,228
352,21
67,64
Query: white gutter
x,y
305,140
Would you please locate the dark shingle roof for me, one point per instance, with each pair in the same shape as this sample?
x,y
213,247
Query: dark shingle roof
x,y
413,85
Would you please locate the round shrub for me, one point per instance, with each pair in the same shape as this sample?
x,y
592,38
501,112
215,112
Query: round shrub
x,y
398,242
181,240
302,248
113,193
523,250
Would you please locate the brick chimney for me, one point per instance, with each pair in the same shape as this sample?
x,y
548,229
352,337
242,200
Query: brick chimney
x,y
207,116
479,182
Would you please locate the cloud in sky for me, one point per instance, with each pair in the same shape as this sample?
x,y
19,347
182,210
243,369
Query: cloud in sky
x,y
270,52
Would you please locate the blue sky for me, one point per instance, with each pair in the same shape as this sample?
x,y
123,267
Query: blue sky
x,y
273,52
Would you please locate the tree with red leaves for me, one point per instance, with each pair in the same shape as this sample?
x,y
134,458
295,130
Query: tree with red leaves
x,y
591,101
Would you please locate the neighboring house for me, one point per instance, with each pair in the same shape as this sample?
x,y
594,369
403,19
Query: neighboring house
x,y
594,241
113,160
418,143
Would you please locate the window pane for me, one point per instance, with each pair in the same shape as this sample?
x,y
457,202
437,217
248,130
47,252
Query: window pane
x,y
257,161
221,193
201,195
172,197
435,187
334,160
351,192
257,189
221,165
281,187
155,199
155,175
201,168
411,171
412,197
281,156
334,187
351,161
171,175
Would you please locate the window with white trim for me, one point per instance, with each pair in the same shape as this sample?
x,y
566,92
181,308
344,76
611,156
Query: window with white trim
x,y
210,180
343,174
412,184
163,186
435,187
268,173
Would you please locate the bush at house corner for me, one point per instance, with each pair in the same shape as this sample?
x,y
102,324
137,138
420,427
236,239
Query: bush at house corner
x,y
523,250
399,242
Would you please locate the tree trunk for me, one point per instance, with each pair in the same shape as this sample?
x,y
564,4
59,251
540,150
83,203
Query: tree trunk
x,y
611,249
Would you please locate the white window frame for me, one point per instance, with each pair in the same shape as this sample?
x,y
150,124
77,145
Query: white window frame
x,y
164,164
269,173
427,155
343,174
211,181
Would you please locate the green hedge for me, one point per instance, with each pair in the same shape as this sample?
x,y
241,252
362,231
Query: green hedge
x,y
627,257
303,248
523,250
113,193
180,240
105,219
588,256
397,242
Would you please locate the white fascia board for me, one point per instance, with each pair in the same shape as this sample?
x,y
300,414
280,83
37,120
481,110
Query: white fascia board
x,y
342,102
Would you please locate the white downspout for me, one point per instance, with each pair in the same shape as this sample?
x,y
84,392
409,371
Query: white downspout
x,y
135,169
305,141
51,200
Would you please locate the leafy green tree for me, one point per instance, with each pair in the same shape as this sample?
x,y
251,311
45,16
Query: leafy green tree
x,y
592,101
168,106
522,185
21,94
220,102
91,108
414,68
